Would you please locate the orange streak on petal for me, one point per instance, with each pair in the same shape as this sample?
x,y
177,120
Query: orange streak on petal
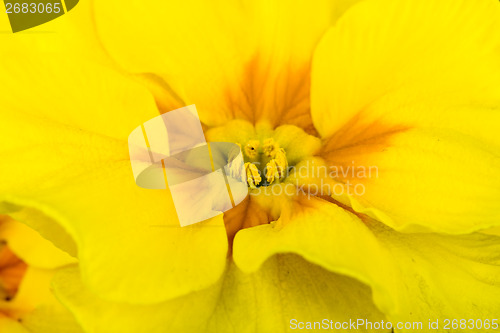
x,y
355,144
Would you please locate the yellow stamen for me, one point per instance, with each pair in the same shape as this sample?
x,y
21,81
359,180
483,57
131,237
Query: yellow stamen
x,y
271,171
272,155
253,175
277,167
270,147
281,162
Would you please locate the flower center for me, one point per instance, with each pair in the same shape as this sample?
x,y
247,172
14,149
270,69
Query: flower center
x,y
268,154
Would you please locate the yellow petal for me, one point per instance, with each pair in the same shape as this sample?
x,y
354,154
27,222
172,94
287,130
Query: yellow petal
x,y
33,291
29,246
324,234
411,88
245,60
11,326
45,226
36,308
43,312
65,155
492,231
423,179
52,318
188,313
414,277
454,277
287,287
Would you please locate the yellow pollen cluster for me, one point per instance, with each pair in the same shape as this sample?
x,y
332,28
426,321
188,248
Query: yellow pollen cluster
x,y
253,175
274,157
277,167
270,147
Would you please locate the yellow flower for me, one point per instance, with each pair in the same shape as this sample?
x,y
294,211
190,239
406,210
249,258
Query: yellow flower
x,y
407,89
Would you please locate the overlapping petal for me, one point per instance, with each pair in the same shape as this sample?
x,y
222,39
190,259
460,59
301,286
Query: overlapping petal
x,y
248,59
346,245
445,277
411,88
30,247
285,288
65,124
414,277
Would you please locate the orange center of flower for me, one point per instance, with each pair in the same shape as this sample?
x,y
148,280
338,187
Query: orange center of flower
x,y
12,270
267,165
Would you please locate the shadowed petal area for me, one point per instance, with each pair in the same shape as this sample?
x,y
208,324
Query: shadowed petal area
x,y
414,277
324,234
30,247
411,88
65,157
286,287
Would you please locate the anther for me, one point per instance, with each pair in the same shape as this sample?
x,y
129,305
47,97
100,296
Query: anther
x,y
270,147
253,175
277,167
